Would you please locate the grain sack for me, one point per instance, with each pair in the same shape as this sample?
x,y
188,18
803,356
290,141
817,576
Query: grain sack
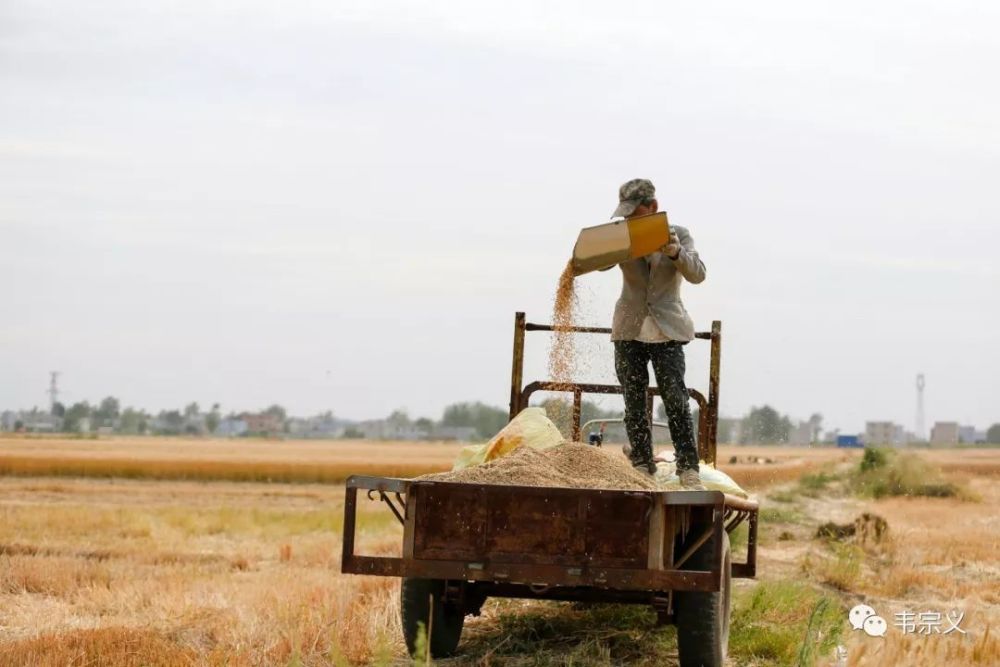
x,y
712,479
530,427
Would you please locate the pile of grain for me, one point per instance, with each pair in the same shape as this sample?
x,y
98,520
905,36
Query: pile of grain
x,y
571,464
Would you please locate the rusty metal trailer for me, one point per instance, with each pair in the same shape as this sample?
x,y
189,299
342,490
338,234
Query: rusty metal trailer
x,y
463,543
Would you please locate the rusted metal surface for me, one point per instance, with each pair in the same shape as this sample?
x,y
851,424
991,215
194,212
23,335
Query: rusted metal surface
x,y
734,518
708,422
389,484
751,564
578,389
517,365
711,441
557,543
388,501
539,575
531,326
657,536
534,326
577,409
545,526
694,545
718,527
449,521
350,519
553,537
742,504
590,388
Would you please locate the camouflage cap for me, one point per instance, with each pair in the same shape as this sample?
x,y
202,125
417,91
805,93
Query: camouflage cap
x,y
631,194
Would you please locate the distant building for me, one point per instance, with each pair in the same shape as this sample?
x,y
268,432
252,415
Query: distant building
x,y
299,427
263,423
7,420
317,427
848,441
231,427
970,436
944,433
31,421
883,433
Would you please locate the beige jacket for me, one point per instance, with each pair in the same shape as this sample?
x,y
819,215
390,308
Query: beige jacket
x,y
657,292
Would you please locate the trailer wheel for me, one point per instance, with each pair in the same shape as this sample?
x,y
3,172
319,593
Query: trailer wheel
x,y
703,618
415,609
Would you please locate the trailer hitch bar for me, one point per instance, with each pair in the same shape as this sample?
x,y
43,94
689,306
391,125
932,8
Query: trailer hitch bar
x,y
388,501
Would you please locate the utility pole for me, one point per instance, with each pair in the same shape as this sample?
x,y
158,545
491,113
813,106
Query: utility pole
x,y
53,391
921,435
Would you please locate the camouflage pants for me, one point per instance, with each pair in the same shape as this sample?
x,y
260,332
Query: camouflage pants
x,y
632,359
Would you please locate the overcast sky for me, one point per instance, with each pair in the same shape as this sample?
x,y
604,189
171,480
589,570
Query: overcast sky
x,y
340,205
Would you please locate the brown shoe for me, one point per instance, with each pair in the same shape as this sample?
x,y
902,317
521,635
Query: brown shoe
x,y
690,480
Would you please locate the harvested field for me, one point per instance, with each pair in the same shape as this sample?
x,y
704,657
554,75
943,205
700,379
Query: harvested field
x,y
185,572
322,461
244,459
932,556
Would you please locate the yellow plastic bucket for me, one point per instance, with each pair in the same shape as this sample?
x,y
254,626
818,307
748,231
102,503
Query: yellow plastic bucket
x,y
648,233
612,243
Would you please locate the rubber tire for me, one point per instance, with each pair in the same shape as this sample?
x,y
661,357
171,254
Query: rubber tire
x,y
415,608
702,619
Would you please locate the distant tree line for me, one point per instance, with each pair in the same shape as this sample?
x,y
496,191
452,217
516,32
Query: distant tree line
x,y
763,424
108,414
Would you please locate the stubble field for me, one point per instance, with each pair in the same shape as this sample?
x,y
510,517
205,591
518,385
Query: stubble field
x,y
145,551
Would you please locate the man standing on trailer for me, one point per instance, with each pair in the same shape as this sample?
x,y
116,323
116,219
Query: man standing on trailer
x,y
651,326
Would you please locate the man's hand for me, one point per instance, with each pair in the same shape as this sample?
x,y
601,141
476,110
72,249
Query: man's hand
x,y
673,248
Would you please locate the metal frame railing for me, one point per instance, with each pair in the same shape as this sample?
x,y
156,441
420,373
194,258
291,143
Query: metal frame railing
x,y
708,419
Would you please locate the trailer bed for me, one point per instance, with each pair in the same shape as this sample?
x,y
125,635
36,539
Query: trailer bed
x,y
551,536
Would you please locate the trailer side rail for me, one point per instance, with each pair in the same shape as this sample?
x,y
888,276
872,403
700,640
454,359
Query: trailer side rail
x,y
465,557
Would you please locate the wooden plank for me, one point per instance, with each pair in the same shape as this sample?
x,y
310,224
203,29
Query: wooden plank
x,y
657,525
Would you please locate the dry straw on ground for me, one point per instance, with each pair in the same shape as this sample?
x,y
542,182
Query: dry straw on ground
x,y
125,572
183,573
238,460
308,461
